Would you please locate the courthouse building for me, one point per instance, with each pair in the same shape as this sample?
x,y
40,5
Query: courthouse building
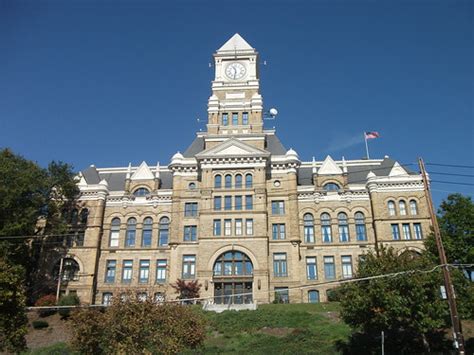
x,y
238,211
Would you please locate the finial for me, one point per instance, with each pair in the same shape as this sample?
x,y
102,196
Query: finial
x,y
157,173
344,165
315,170
129,171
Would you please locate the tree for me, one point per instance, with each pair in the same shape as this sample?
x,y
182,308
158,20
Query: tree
x,y
134,326
187,289
408,307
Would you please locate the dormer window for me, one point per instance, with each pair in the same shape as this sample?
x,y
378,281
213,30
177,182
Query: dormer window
x,y
140,192
331,186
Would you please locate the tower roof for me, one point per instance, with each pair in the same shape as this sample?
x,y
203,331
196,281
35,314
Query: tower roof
x,y
236,43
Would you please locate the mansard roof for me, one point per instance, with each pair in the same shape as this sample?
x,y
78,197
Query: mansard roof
x,y
91,175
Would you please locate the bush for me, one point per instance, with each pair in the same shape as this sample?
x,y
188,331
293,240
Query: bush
x,y
40,324
69,300
45,301
131,326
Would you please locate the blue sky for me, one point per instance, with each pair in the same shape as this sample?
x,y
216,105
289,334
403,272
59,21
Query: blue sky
x,y
112,82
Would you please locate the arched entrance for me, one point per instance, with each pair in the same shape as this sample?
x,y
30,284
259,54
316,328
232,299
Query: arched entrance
x,y
233,278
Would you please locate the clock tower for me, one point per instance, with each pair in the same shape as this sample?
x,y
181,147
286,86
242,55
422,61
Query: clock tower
x,y
235,106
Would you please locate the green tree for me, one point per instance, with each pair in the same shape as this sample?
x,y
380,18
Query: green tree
x,y
407,307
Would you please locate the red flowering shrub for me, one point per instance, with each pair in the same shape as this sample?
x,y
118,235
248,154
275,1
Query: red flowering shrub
x,y
45,301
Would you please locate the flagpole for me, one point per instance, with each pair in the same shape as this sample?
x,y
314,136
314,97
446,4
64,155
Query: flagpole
x,y
366,146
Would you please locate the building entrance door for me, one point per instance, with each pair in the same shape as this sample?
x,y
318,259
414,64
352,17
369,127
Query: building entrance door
x,y
233,292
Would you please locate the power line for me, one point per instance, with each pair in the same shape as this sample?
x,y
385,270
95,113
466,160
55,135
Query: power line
x,y
452,182
450,174
452,165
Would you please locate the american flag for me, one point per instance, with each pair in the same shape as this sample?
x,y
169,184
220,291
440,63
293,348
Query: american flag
x,y
371,135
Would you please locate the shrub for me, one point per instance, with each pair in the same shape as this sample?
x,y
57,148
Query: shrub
x,y
40,324
133,326
187,290
69,300
45,301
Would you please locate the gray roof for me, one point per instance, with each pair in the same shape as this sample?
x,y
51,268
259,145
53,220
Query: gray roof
x,y
116,181
274,146
196,146
91,175
305,176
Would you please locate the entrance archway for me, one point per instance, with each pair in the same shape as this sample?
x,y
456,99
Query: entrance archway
x,y
233,278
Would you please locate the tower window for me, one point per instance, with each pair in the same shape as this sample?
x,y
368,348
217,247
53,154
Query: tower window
x,y
235,118
245,118
331,186
140,192
225,119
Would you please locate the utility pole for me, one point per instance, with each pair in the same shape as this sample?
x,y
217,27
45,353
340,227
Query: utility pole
x,y
59,278
456,323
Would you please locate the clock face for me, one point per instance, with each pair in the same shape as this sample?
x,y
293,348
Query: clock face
x,y
235,71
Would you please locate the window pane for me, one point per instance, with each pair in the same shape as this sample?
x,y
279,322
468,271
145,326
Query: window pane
x,y
249,226
218,181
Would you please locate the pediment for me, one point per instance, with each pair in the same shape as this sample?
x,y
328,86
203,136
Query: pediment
x,y
397,170
232,148
143,173
329,167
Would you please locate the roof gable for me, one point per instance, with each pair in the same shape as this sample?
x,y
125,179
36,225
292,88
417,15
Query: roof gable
x,y
329,167
143,173
397,170
232,148
235,43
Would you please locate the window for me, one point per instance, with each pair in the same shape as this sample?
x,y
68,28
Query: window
x,y
313,296
110,269
235,118
406,231
326,228
233,263
238,227
107,298
331,186
311,268
190,209
164,231
70,271
395,232
190,233
192,186
144,271
80,239
279,265
282,295
391,208
217,203
217,227
245,118
346,266
147,231
278,231
131,232
403,208
361,232
228,203
228,181
249,202
189,266
418,232
225,119
114,232
343,227
140,192
308,222
248,181
84,215
278,207
238,181
142,296
74,216
329,268
159,297
238,203
249,226
227,227
127,269
413,207
161,266
217,181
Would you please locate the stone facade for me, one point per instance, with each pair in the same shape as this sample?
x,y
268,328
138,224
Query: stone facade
x,y
239,212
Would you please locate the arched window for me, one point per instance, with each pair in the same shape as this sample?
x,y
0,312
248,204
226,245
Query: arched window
x,y
84,215
147,232
343,227
391,208
248,181
164,231
140,192
74,216
115,232
361,231
69,272
131,232
192,186
228,181
331,186
413,207
233,263
238,181
403,208
218,181
308,222
326,228
313,296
